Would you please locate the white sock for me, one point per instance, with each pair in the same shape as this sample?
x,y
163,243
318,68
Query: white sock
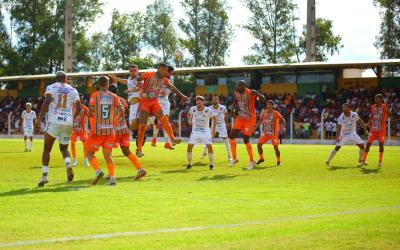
x,y
360,154
26,144
45,170
30,146
67,161
333,153
189,157
204,149
98,171
211,158
228,149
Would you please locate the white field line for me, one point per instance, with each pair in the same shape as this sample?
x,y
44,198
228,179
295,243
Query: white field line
x,y
198,228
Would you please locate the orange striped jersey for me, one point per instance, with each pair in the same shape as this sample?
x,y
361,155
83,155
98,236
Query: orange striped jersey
x,y
378,117
270,122
105,115
121,127
152,85
246,103
79,124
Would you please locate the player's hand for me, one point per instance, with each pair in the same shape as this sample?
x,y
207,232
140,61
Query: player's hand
x,y
185,98
113,77
283,131
37,123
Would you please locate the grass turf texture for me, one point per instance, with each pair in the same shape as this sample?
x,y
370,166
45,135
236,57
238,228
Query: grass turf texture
x,y
171,197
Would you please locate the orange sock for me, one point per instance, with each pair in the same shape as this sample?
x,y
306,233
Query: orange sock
x,y
94,163
73,150
365,154
167,127
250,151
142,130
380,156
111,169
134,161
261,156
232,142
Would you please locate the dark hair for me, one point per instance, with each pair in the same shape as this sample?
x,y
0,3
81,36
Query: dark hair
x,y
113,89
241,82
346,104
133,66
201,98
270,101
380,96
171,68
103,81
162,64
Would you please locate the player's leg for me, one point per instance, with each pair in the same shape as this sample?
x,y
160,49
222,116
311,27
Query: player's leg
x,y
166,125
25,142
210,155
260,150
204,154
360,154
92,145
110,165
143,115
73,149
30,143
249,149
48,145
332,154
371,137
228,148
275,143
189,155
232,142
67,161
86,161
381,149
157,128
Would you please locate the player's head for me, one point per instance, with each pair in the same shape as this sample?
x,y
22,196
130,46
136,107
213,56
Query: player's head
x,y
61,76
162,70
28,106
346,108
113,89
215,100
240,86
103,83
133,70
378,99
270,105
170,71
200,101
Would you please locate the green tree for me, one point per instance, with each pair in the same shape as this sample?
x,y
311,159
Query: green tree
x,y
160,33
208,31
388,40
327,43
271,24
39,29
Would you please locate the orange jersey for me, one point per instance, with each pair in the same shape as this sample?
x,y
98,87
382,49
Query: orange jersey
x,y
79,123
246,103
270,122
378,118
105,105
152,85
121,127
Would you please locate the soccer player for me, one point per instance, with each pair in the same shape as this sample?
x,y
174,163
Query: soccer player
x,y
199,118
61,99
149,104
271,122
79,131
104,110
166,106
346,132
244,103
28,118
377,124
220,113
122,136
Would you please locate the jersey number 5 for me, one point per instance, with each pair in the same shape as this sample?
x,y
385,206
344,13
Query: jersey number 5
x,y
105,111
62,98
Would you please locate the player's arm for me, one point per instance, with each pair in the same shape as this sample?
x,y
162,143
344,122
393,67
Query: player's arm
x,y
44,109
174,89
260,96
233,107
78,107
214,125
282,121
259,123
338,128
362,125
117,79
190,116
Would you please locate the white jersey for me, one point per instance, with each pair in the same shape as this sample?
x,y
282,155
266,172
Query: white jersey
x,y
28,118
132,84
165,91
60,108
201,119
348,123
219,115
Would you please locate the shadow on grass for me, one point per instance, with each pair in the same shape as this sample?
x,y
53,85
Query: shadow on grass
x,y
25,191
218,177
333,168
14,152
258,167
370,171
51,167
183,170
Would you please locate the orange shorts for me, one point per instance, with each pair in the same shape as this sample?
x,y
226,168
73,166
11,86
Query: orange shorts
x,y
245,126
150,106
94,142
123,140
380,136
266,138
82,136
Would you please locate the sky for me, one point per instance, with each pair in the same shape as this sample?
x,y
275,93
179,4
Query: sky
x,y
356,21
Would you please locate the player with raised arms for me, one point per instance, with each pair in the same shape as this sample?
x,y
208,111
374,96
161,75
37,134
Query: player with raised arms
x,y
60,101
244,104
199,119
347,132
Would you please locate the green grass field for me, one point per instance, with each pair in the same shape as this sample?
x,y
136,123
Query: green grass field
x,y
302,204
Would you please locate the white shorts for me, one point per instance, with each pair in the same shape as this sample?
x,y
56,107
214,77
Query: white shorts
x,y
61,132
133,112
351,138
200,138
28,131
166,105
222,132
